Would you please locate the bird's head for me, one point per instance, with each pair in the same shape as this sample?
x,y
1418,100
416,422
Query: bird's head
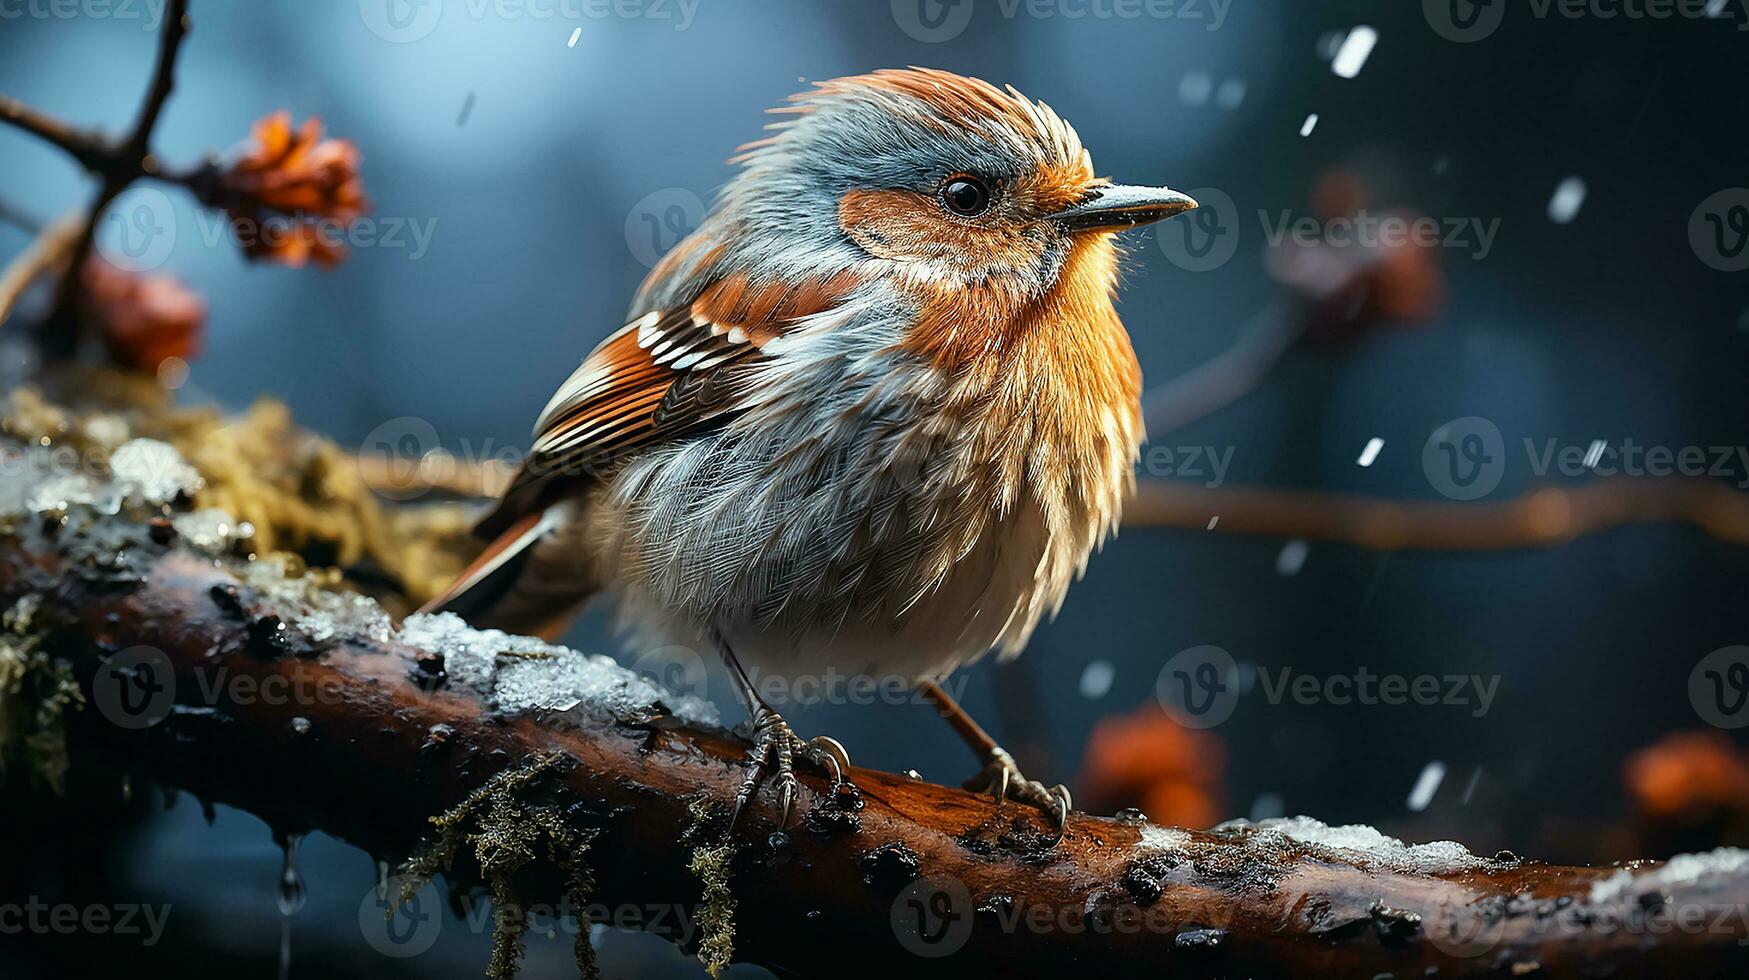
x,y
948,178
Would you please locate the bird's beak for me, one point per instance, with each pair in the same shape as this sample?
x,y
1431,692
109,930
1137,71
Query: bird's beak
x,y
1121,206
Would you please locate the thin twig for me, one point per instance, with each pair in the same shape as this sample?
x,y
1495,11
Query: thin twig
x,y
90,149
1234,373
163,83
48,253
17,217
439,473
132,160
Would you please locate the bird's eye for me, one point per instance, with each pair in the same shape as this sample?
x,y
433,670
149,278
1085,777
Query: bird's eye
x,y
966,195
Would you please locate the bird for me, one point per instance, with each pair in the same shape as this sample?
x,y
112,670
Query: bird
x,y
873,414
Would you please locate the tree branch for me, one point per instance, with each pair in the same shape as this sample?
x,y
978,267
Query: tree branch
x,y
389,745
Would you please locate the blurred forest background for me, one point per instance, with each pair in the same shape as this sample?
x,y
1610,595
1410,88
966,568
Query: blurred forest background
x,y
527,163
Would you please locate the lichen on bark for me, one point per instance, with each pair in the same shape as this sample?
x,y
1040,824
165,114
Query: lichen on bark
x,y
508,827
36,693
716,913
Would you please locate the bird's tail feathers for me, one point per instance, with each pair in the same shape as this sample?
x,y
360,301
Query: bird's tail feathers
x,y
493,574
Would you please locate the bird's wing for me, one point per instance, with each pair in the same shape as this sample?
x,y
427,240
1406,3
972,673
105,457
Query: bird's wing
x,y
669,372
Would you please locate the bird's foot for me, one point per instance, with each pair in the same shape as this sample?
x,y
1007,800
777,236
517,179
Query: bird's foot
x,y
1004,780
775,748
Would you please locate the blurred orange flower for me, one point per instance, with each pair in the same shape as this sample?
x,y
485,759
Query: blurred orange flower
x,y
1352,289
1688,775
310,183
144,320
1148,761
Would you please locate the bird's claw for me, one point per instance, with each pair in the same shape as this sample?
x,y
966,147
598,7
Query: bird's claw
x,y
775,748
832,752
1003,779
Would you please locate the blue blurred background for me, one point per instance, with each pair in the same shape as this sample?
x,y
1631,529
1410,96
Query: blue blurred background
x,y
551,151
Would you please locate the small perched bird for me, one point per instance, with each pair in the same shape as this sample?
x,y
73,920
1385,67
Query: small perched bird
x,y
872,415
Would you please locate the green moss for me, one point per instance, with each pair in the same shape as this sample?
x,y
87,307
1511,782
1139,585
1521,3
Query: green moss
x,y
508,828
716,914
301,493
36,693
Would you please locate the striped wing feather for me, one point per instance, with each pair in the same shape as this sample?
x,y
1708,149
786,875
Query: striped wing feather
x,y
667,373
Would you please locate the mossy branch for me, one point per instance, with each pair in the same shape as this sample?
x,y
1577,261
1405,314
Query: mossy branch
x,y
526,795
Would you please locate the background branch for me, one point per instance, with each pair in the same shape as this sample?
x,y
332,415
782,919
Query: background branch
x,y
1232,374
51,250
92,151
130,160
1543,518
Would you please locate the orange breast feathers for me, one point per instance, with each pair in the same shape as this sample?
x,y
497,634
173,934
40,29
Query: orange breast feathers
x,y
1054,372
1069,332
